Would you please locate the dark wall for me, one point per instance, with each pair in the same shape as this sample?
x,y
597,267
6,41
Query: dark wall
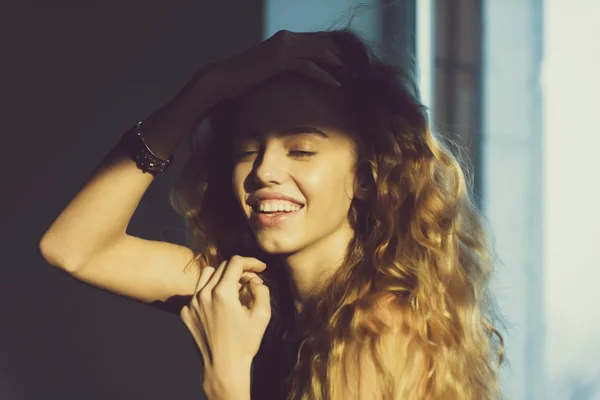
x,y
458,79
74,76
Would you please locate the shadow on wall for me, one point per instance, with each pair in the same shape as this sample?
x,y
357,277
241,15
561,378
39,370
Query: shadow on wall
x,y
77,77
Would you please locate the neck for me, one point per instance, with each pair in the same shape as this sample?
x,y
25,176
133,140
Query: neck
x,y
310,268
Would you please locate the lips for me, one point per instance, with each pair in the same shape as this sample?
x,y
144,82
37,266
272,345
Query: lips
x,y
255,198
274,219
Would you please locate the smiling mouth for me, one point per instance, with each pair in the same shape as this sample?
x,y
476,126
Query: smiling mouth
x,y
273,219
272,213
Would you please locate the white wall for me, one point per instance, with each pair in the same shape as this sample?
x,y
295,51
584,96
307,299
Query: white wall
x,y
542,190
571,176
512,177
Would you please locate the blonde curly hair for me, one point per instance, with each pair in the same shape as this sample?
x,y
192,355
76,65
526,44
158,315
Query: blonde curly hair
x,y
418,237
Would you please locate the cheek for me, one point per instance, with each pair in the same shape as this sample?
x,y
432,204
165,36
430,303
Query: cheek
x,y
312,182
327,189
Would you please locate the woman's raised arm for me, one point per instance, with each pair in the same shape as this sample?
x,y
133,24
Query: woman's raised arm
x,y
88,239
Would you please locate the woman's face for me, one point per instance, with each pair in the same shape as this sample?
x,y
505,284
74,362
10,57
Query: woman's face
x,y
294,155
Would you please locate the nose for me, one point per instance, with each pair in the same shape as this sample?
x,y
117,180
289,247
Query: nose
x,y
270,167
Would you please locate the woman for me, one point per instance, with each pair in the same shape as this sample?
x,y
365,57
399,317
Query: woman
x,y
320,174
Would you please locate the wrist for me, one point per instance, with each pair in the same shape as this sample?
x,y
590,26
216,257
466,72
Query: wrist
x,y
166,128
230,384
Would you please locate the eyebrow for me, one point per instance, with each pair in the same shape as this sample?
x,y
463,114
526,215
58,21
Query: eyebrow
x,y
292,131
304,129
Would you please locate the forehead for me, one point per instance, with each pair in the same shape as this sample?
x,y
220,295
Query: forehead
x,y
288,102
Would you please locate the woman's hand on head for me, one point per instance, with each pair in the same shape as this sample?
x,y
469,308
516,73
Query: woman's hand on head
x,y
227,332
284,51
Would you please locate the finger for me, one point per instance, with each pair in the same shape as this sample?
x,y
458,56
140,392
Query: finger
x,y
215,277
335,58
261,307
332,46
312,70
319,47
197,334
188,320
248,275
324,56
237,265
205,275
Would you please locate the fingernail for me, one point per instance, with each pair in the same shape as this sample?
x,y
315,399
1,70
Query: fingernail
x,y
256,280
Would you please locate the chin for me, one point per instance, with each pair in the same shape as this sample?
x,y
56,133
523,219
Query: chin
x,y
277,246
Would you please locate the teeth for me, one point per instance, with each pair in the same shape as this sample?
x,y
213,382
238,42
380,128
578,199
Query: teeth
x,y
277,205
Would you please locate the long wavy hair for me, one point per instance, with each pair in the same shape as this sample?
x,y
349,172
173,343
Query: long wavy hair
x,y
418,236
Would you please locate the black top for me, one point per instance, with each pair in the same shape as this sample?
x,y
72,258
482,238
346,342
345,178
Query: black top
x,y
271,367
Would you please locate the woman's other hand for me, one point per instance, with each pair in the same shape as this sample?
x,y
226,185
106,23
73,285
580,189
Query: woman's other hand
x,y
227,332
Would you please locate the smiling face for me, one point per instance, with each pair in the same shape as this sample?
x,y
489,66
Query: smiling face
x,y
292,141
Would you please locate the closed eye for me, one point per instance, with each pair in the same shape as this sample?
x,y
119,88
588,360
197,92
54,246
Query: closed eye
x,y
303,153
296,153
